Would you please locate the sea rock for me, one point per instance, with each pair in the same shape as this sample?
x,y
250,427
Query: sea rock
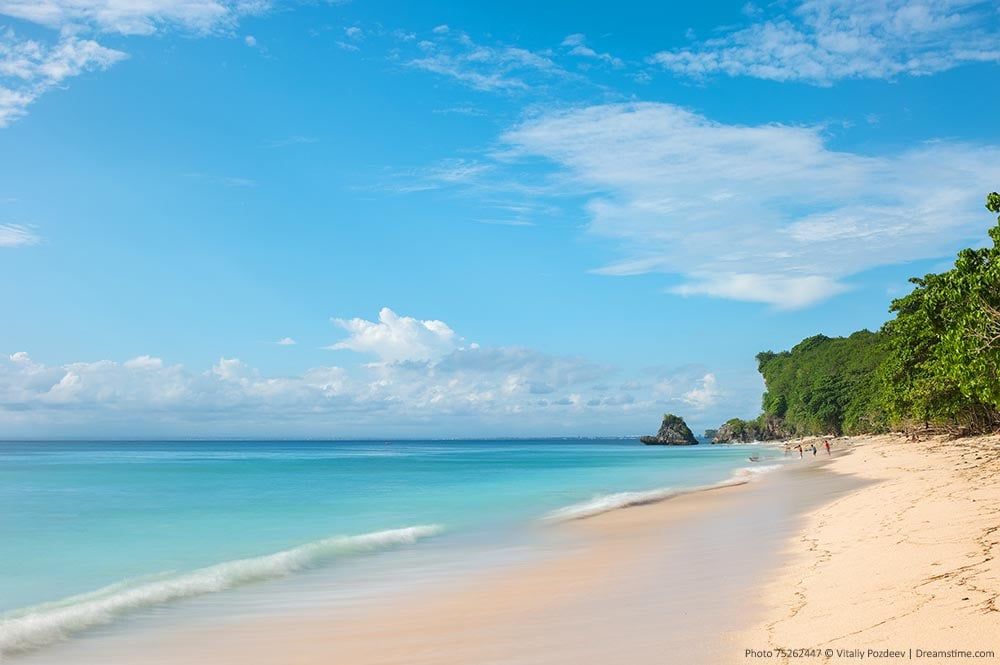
x,y
673,432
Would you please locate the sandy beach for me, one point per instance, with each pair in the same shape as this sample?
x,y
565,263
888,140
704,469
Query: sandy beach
x,y
907,562
884,545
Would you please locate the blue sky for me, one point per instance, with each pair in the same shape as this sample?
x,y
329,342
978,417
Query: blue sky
x,y
252,218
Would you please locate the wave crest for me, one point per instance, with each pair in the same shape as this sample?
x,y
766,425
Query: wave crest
x,y
609,502
36,626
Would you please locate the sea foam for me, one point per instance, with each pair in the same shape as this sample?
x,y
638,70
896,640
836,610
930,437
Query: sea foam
x,y
32,627
609,502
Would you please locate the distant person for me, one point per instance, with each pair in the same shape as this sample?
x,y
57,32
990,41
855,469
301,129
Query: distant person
x,y
814,449
827,444
799,448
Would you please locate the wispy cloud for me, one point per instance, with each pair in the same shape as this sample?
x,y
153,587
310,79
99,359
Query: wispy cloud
x,y
493,68
31,67
134,18
292,140
576,45
506,222
15,235
762,213
28,68
235,181
821,41
286,341
462,110
229,181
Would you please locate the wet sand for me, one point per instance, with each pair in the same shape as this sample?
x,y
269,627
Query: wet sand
x,y
671,581
885,546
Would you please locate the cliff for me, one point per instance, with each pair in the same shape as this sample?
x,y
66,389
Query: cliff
x,y
745,431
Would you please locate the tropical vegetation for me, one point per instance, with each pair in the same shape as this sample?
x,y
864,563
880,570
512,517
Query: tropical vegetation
x,y
936,365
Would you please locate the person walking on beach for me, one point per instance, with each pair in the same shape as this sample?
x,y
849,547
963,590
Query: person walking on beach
x,y
827,444
814,449
799,448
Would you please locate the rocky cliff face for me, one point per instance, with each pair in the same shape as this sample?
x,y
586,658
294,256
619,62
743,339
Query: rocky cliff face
x,y
673,432
745,431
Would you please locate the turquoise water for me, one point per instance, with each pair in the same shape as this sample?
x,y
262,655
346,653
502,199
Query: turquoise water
x,y
159,522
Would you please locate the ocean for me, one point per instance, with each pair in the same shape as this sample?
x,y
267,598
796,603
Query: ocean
x,y
94,535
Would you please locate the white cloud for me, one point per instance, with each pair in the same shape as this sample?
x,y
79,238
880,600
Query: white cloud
x,y
704,395
441,30
133,18
144,362
29,68
578,46
250,41
763,213
286,341
394,338
425,380
499,68
821,41
103,390
15,235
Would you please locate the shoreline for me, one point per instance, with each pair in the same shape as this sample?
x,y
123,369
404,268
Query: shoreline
x,y
628,583
755,566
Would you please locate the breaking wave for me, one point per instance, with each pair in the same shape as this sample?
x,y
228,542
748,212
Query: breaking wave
x,y
608,502
32,627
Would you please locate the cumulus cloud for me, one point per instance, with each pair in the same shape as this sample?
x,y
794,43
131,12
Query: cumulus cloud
x,y
704,395
394,338
15,235
476,384
821,41
106,389
286,341
424,380
765,213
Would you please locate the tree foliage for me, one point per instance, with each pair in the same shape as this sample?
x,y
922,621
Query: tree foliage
x,y
936,364
943,363
823,385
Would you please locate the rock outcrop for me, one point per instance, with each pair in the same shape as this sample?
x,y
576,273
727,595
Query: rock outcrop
x,y
745,431
673,432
